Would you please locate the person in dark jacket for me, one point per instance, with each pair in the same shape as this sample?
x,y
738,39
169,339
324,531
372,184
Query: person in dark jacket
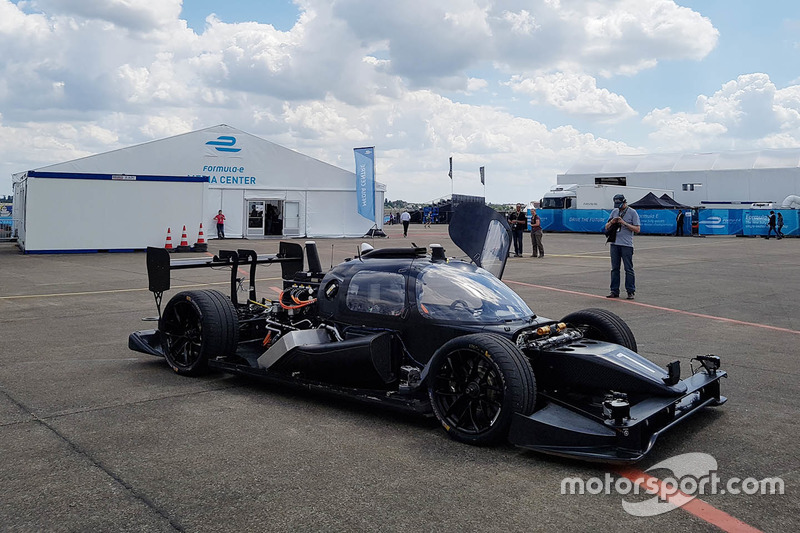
x,y
679,224
518,221
771,225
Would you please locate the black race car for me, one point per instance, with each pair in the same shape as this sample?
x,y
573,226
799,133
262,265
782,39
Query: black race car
x,y
415,330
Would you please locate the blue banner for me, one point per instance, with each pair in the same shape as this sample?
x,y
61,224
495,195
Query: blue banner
x,y
584,220
663,221
756,221
365,182
547,217
652,221
721,221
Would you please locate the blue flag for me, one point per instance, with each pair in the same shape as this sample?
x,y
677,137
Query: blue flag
x,y
365,182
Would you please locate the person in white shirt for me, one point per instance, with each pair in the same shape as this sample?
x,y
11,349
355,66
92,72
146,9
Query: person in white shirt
x,y
405,218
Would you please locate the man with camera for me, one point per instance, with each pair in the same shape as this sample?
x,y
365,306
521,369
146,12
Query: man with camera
x,y
626,222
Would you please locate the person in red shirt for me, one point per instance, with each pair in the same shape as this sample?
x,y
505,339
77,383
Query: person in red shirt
x,y
220,218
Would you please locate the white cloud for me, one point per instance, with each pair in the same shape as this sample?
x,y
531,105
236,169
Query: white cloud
x,y
80,77
608,38
476,84
429,41
417,132
575,94
521,22
748,111
137,15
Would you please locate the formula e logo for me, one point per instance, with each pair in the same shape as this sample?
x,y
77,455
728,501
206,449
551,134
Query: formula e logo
x,y
224,143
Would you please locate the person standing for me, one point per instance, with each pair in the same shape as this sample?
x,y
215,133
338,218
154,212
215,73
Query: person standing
x,y
536,234
626,221
518,221
780,225
220,219
679,224
405,218
771,224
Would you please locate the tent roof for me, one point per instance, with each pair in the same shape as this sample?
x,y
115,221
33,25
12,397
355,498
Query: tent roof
x,y
732,160
651,201
668,199
197,153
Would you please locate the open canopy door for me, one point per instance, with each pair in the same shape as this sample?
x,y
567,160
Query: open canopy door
x,y
483,234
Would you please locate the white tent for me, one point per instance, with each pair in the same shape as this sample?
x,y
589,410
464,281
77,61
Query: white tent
x,y
263,189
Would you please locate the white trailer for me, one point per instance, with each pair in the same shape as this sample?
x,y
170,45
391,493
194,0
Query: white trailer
x,y
576,196
726,180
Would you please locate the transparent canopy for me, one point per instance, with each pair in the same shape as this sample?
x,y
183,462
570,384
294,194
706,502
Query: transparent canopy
x,y
469,294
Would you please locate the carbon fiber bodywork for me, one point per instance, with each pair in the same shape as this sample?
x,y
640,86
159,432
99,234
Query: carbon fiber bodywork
x,y
378,329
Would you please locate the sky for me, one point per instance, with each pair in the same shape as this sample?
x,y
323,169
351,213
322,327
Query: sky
x,y
523,88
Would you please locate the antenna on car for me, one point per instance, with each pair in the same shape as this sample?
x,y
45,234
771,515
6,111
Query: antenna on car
x,y
331,256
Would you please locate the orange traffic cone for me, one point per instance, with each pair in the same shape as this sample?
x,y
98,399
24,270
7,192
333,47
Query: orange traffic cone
x,y
184,245
168,246
200,245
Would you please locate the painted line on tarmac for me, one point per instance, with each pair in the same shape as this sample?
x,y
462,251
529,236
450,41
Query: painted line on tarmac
x,y
114,291
660,308
692,505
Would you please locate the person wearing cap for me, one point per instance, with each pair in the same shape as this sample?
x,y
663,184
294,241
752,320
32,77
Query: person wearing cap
x,y
626,221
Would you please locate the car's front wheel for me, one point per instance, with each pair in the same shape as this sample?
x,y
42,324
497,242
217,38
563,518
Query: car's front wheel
x,y
602,325
476,383
197,325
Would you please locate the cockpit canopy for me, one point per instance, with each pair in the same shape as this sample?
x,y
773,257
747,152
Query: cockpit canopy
x,y
466,293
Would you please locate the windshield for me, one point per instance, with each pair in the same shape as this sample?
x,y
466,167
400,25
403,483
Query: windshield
x,y
552,203
468,294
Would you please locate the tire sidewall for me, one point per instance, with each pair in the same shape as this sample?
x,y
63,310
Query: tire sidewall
x,y
603,326
218,324
482,346
200,365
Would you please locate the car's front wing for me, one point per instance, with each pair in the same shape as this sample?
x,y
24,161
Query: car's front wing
x,y
562,429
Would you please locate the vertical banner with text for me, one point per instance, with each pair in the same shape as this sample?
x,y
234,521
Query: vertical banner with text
x,y
365,181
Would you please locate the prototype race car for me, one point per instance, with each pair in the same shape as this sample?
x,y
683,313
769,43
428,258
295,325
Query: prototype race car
x,y
421,332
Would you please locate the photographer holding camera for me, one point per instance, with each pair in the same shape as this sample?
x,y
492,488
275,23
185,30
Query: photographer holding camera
x,y
626,222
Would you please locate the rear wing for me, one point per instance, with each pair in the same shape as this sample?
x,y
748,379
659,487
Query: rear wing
x,y
159,265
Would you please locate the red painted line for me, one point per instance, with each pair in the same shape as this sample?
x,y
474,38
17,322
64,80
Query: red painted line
x,y
659,308
694,506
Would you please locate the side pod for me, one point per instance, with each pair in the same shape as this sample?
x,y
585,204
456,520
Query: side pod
x,y
364,362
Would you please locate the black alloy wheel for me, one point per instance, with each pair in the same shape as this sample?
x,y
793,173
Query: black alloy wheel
x,y
476,383
195,326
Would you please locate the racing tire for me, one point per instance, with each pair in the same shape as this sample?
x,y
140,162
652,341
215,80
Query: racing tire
x,y
476,383
602,325
195,326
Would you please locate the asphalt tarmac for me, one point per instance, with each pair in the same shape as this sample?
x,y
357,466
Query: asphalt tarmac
x,y
95,437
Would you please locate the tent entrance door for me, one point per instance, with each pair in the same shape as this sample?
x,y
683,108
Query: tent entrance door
x,y
291,218
264,218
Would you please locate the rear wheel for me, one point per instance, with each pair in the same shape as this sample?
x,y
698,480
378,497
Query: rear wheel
x,y
602,325
476,383
195,326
